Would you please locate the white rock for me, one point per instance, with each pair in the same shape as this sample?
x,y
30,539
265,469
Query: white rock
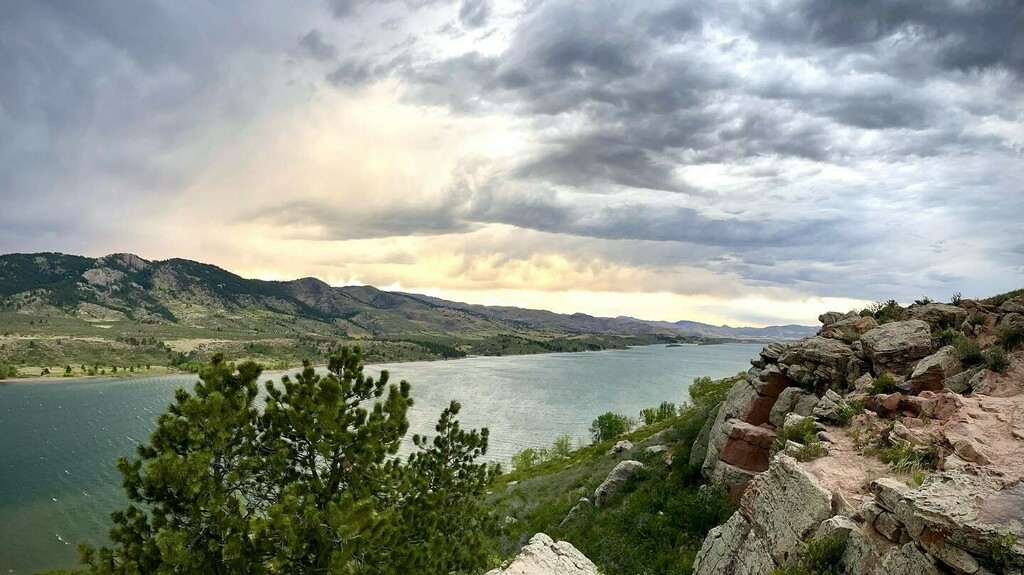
x,y
543,556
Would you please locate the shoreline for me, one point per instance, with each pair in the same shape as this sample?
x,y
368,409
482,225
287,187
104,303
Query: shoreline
x,y
55,379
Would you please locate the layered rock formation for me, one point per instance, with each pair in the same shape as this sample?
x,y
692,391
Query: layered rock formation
x,y
951,499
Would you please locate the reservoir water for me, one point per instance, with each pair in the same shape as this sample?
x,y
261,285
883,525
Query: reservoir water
x,y
59,441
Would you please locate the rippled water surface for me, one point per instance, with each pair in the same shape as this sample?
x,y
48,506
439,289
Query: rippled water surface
x,y
59,441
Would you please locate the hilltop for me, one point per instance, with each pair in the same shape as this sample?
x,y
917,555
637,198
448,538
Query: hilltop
x,y
122,310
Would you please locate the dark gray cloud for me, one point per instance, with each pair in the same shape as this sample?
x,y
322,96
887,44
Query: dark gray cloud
x,y
474,13
313,43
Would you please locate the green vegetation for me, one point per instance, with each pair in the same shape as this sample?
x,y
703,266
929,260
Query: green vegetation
x,y
652,415
996,360
957,299
1012,338
706,392
1004,556
822,557
883,384
804,433
1004,297
8,371
310,484
968,351
887,311
609,426
907,458
849,410
655,525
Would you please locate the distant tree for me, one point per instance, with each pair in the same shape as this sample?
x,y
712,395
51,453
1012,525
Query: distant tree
x,y
609,425
67,370
651,415
311,484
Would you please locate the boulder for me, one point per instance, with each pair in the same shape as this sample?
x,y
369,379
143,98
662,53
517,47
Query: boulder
x,y
543,556
794,419
700,446
621,447
792,400
830,406
893,347
849,328
1013,305
816,362
731,479
743,403
785,505
1011,321
830,317
580,507
938,315
961,382
907,560
732,548
617,478
748,446
933,370
772,351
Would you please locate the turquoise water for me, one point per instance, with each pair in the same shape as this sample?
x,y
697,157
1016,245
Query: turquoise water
x,y
59,441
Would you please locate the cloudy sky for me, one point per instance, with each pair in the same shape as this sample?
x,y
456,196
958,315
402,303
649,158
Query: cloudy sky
x,y
718,160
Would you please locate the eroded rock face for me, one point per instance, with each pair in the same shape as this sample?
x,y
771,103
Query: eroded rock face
x,y
700,446
938,315
780,509
543,556
816,361
748,446
851,326
743,403
893,347
619,475
933,370
792,400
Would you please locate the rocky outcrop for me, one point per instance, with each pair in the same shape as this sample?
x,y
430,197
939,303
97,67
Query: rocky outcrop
x,y
938,315
849,328
617,478
748,446
792,400
700,447
544,556
621,447
815,362
780,509
894,347
933,370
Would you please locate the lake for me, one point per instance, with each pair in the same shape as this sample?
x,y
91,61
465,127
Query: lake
x,y
59,440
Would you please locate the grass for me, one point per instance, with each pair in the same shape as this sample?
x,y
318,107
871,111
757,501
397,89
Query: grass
x,y
883,384
804,433
1003,297
822,557
906,458
847,411
655,525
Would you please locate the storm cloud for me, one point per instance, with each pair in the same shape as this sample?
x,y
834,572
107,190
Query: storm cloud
x,y
808,148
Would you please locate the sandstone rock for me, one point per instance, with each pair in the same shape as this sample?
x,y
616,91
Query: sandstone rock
x,y
851,327
784,505
792,400
1014,305
772,351
771,382
621,447
733,549
863,383
743,403
892,347
887,525
793,419
700,446
907,560
934,369
733,480
816,361
961,382
838,525
619,475
656,449
543,556
748,446
889,492
938,315
970,450
830,317
1011,321
830,406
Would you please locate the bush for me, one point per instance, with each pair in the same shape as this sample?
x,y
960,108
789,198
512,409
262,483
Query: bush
x,y
706,392
888,311
1004,557
561,447
849,410
883,384
996,360
527,458
803,432
906,458
653,415
946,337
8,371
811,451
609,425
822,557
957,299
968,351
1012,338
977,319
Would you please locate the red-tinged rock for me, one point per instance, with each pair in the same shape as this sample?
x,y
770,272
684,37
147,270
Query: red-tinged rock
x,y
748,447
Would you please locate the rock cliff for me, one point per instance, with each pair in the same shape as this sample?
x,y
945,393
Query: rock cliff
x,y
914,462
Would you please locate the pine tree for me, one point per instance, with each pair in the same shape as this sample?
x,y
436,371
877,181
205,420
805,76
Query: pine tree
x,y
310,484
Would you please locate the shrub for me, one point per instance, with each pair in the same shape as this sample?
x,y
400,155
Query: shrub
x,y
1012,338
527,458
609,425
883,384
849,410
946,337
652,415
996,360
968,351
1002,551
811,451
822,557
905,458
888,311
8,371
803,432
957,299
706,392
561,447
977,319
925,300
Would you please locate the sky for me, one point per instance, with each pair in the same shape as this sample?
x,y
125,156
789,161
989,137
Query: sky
x,y
749,163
